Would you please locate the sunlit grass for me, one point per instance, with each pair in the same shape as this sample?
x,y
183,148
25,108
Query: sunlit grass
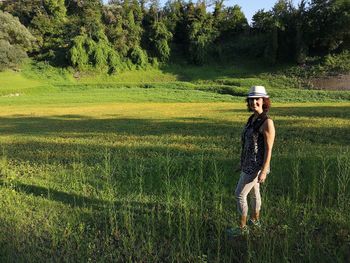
x,y
130,76
139,168
90,182
14,82
40,83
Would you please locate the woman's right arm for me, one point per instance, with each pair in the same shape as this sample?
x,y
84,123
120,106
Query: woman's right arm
x,y
269,138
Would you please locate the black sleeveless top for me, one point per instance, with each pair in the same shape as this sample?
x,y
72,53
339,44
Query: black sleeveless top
x,y
253,145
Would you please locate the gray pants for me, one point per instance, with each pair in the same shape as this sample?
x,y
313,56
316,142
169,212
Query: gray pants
x,y
247,184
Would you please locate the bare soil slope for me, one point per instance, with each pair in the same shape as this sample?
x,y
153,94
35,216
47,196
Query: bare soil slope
x,y
340,82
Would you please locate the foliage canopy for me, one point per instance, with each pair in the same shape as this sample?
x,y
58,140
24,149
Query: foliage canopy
x,y
15,41
92,34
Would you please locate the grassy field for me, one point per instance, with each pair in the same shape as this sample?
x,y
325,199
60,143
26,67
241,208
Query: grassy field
x,y
112,170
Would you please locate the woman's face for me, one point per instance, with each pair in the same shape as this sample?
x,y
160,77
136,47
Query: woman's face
x,y
256,104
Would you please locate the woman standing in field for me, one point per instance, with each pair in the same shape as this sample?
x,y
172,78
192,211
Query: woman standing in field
x,y
257,141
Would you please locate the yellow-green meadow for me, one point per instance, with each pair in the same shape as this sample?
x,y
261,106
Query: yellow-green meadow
x,y
121,131
130,173
155,182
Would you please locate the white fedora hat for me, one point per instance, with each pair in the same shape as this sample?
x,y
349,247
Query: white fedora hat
x,y
257,92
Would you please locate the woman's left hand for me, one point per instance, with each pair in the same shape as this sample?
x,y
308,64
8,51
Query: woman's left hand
x,y
262,177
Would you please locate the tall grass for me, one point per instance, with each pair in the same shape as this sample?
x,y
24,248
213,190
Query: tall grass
x,y
343,178
156,183
136,173
133,227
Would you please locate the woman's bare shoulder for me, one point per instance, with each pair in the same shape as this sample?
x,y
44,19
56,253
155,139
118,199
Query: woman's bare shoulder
x,y
269,122
268,125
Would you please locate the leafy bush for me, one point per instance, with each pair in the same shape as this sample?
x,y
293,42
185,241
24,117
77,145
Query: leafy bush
x,y
45,71
85,52
160,40
337,64
15,40
10,55
78,54
139,57
100,54
330,65
114,61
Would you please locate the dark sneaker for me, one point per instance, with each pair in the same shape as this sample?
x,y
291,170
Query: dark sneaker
x,y
254,223
237,231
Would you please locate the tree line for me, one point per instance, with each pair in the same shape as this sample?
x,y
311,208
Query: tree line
x,y
123,34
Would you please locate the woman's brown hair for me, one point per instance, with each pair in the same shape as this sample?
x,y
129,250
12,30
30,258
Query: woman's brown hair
x,y
266,104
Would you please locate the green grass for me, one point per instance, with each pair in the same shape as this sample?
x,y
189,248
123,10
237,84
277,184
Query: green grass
x,y
125,171
41,83
95,182
14,82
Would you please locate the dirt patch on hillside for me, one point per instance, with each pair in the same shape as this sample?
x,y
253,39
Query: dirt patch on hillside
x,y
340,82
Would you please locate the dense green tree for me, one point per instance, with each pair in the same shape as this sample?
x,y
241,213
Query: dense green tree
x,y
15,41
201,32
284,28
116,31
138,57
279,28
329,25
24,10
87,53
321,27
173,16
262,21
230,23
91,48
74,6
124,32
301,47
123,20
89,19
46,19
133,22
156,37
218,11
160,37
233,22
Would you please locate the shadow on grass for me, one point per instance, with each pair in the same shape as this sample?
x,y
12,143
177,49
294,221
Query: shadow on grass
x,y
318,111
75,200
314,111
66,125
71,199
99,228
80,127
297,128
58,137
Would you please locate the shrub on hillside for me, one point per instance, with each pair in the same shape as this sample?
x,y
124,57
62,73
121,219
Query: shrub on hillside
x,y
86,52
78,54
10,55
330,65
337,64
114,61
15,41
160,39
139,57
